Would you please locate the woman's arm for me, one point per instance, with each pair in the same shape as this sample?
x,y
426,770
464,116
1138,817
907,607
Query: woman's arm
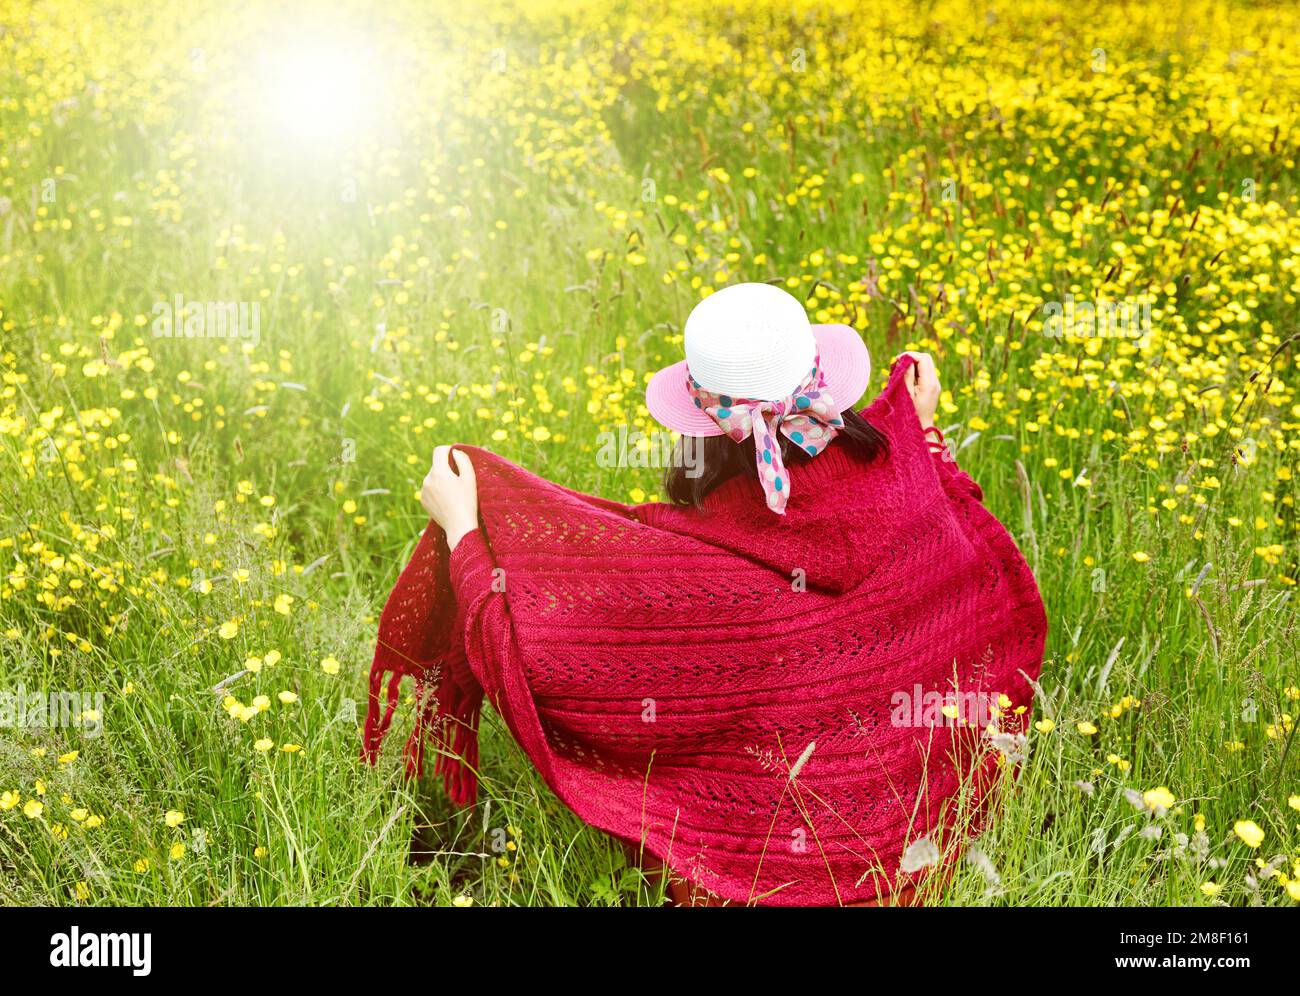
x,y
451,496
923,385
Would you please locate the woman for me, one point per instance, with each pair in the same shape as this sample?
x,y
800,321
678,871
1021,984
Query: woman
x,y
784,685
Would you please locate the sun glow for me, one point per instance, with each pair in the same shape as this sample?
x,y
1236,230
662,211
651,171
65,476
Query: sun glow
x,y
323,92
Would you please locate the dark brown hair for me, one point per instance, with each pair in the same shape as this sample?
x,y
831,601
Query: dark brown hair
x,y
720,458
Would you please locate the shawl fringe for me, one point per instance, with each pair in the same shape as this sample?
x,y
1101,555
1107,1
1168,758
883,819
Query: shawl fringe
x,y
447,719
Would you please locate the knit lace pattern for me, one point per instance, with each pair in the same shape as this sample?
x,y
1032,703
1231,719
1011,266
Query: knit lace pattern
x,y
766,703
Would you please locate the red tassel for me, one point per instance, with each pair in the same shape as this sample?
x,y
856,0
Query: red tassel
x,y
454,727
377,724
447,716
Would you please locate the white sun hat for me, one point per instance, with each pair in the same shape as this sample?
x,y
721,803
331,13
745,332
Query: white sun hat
x,y
755,341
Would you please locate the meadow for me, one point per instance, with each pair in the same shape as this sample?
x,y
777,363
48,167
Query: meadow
x,y
256,261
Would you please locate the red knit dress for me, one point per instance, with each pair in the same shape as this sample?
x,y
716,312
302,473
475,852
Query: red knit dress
x,y
721,689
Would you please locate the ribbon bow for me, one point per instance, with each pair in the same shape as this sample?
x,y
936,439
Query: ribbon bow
x,y
807,416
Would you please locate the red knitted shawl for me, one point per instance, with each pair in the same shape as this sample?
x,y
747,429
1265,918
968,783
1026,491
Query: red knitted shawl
x,y
764,702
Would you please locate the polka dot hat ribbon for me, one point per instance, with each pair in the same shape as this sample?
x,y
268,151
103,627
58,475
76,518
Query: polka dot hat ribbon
x,y
808,416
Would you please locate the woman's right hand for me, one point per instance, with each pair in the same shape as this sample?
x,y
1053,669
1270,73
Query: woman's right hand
x,y
923,385
451,496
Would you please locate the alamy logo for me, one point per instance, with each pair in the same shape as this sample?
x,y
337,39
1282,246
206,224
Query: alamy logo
x,y
184,319
634,448
77,950
919,708
1125,318
38,710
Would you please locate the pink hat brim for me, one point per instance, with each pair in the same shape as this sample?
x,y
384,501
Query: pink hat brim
x,y
845,363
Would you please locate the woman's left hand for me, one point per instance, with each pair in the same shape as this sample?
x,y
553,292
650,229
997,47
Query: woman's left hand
x,y
451,498
923,385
